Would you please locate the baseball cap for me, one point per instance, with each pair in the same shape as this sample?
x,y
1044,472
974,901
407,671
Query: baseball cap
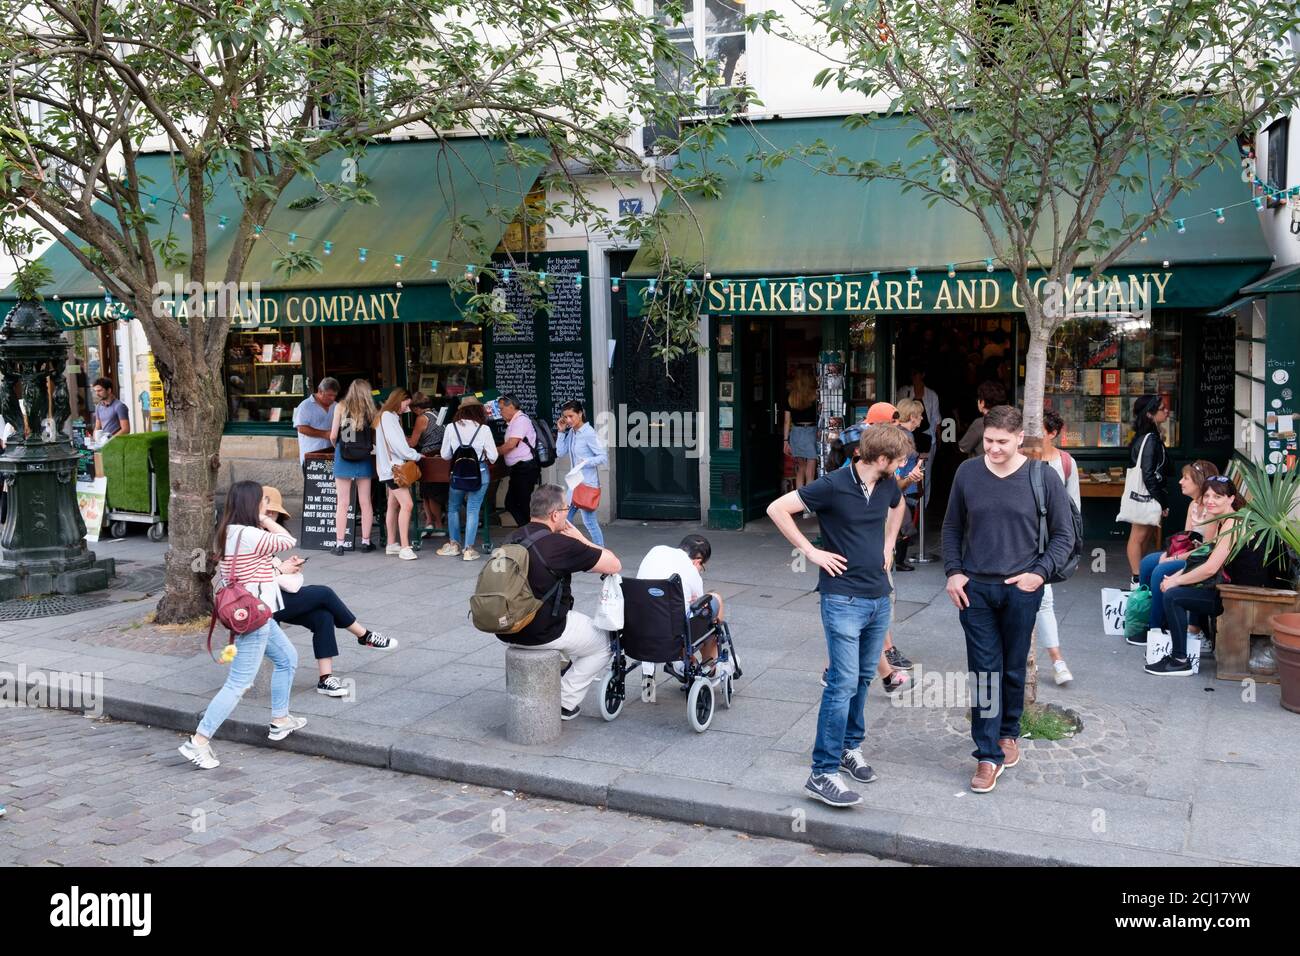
x,y
880,413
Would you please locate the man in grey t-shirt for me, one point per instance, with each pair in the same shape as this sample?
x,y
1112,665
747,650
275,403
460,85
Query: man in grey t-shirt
x,y
111,415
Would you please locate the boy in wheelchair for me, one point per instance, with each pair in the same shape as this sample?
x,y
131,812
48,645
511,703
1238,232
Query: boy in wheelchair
x,y
703,610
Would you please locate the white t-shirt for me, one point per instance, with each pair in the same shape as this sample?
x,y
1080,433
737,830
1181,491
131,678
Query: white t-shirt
x,y
663,562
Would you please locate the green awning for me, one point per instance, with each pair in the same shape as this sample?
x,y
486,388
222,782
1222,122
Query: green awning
x,y
793,220
1285,279
428,194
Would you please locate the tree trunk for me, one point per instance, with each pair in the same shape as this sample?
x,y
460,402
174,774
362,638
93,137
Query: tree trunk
x,y
195,399
1035,379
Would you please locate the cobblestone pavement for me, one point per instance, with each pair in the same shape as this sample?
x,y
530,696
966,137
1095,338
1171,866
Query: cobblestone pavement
x,y
85,792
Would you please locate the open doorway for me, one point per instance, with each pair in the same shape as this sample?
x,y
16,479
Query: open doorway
x,y
775,350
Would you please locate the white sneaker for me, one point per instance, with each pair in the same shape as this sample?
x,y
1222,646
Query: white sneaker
x,y
200,755
393,549
1061,673
470,554
280,731
407,554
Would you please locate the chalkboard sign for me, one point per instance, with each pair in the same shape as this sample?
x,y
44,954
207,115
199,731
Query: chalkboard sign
x,y
546,358
319,501
1214,382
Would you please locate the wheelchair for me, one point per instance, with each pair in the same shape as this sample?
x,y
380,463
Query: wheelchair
x,y
657,630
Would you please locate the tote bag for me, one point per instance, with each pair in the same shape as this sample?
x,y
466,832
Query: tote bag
x,y
1137,506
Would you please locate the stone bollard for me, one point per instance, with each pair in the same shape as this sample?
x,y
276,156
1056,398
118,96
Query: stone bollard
x,y
532,695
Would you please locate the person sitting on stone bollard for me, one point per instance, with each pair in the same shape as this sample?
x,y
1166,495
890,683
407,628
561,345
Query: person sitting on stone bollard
x,y
557,550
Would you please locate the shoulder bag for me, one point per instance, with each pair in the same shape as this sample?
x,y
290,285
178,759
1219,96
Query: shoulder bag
x,y
238,610
1137,506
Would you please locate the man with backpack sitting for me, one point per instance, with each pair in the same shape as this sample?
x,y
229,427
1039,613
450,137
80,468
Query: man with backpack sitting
x,y
523,594
525,452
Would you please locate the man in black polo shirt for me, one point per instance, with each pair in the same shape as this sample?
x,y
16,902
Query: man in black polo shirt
x,y
996,576
558,550
859,510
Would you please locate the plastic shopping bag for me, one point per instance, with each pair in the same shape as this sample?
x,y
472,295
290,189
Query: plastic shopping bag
x,y
1113,605
609,612
1160,645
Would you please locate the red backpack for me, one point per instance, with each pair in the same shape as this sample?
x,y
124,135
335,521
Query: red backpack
x,y
238,610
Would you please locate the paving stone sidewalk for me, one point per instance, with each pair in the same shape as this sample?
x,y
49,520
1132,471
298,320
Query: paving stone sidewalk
x,y
1176,770
98,792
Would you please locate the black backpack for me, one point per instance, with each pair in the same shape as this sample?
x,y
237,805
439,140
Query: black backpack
x,y
1037,482
544,451
362,444
465,464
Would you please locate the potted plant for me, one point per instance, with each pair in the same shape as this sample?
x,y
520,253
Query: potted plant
x,y
1271,520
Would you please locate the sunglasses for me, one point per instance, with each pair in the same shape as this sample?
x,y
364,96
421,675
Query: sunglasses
x,y
1220,481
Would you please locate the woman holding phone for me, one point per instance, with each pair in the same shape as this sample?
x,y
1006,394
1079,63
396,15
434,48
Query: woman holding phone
x,y
576,438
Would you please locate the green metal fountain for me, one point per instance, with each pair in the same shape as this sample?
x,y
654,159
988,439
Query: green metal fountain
x,y
43,541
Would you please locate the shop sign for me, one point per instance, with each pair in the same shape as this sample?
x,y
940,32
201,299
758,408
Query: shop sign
x,y
1110,293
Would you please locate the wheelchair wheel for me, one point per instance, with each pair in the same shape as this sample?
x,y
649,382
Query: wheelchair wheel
x,y
610,693
727,692
699,705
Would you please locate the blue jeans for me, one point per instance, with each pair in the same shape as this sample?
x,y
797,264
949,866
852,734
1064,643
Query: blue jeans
x,y
999,624
855,635
1190,605
472,502
593,526
1151,572
267,640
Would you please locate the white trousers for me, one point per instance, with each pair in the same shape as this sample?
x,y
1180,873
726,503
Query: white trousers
x,y
588,648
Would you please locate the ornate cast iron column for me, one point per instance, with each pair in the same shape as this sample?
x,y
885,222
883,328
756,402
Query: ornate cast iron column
x,y
43,541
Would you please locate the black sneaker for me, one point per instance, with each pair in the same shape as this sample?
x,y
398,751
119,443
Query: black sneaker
x,y
338,550
855,765
1170,666
378,641
1139,641
568,714
896,683
368,546
897,660
331,686
904,566
828,788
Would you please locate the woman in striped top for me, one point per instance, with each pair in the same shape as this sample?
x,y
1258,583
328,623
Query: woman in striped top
x,y
246,541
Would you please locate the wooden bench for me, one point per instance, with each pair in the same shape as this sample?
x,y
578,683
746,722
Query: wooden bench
x,y
1246,611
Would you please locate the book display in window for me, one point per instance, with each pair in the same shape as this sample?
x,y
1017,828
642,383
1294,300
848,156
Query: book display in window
x,y
260,367
1097,369
445,361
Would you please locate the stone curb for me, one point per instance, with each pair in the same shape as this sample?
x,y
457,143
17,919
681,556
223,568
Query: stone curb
x,y
898,836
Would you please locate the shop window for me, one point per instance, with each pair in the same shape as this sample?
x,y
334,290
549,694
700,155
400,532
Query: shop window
x,y
445,361
1097,368
527,231
862,375
265,375
1250,412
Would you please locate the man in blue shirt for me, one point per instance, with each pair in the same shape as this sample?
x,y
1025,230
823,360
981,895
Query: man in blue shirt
x,y
859,511
314,418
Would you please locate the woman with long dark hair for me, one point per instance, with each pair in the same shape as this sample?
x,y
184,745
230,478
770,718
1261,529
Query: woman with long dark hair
x,y
1147,452
1191,594
244,546
576,438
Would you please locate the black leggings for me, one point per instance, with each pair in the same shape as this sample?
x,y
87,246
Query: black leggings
x,y
320,610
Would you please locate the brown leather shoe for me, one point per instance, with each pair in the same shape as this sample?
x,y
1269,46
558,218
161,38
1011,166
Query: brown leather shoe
x,y
986,776
1010,751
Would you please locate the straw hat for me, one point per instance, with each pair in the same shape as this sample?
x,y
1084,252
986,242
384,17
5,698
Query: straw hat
x,y
469,400
274,502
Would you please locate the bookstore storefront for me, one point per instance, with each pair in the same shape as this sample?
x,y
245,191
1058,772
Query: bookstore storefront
x,y
874,291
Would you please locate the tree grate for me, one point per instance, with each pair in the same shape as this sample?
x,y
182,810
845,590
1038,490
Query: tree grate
x,y
51,605
145,580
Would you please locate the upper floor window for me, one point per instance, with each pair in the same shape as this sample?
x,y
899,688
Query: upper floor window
x,y
709,30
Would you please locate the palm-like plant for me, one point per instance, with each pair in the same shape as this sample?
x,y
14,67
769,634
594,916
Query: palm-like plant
x,y
1271,517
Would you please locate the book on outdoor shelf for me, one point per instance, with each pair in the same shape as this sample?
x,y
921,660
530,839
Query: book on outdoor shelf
x,y
1110,380
1093,408
1067,379
276,386
268,352
1113,410
1091,434
281,352
297,385
295,352
1135,382
1092,381
1110,435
